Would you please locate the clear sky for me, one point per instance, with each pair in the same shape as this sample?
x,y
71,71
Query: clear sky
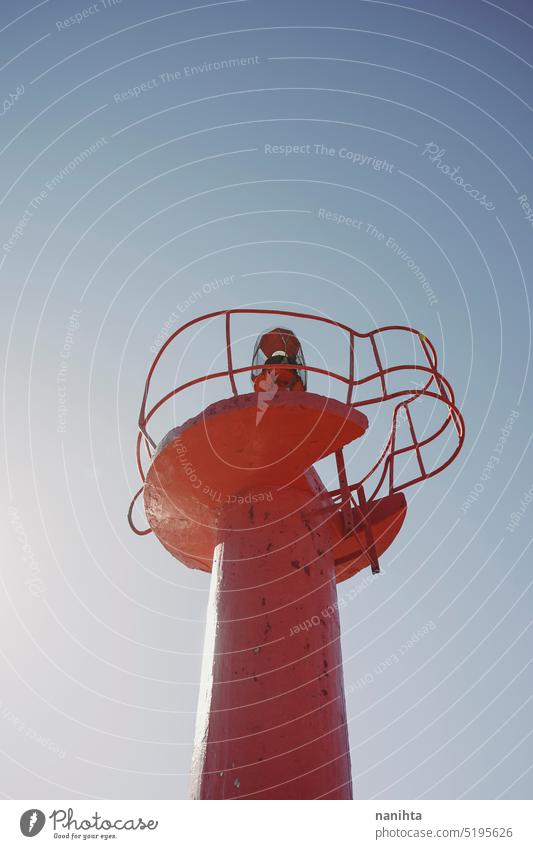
x,y
148,177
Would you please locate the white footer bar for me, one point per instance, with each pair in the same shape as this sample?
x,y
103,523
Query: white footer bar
x,y
268,825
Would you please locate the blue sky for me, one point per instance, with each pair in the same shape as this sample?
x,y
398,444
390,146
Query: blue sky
x,y
148,174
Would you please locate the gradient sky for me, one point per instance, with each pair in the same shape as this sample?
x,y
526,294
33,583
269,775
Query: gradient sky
x,y
101,631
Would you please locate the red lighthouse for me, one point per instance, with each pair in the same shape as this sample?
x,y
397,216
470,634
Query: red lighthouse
x,y
233,491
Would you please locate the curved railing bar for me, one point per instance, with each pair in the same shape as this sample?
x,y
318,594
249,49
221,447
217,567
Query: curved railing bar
x,y
229,356
386,450
413,393
247,311
352,368
317,370
140,533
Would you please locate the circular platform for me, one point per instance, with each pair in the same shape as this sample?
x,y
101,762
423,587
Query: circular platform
x,y
244,448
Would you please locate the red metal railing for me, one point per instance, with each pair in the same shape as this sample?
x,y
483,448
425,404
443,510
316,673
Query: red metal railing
x,y
434,386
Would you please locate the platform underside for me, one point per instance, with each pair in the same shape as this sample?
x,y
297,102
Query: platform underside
x,y
244,450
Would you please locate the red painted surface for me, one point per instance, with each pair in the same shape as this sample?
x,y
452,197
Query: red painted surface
x,y
385,517
200,467
272,717
238,445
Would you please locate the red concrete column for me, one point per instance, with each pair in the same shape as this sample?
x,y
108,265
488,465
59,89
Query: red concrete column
x,y
271,718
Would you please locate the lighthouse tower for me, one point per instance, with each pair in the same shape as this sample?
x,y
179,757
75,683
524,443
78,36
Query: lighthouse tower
x,y
233,491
